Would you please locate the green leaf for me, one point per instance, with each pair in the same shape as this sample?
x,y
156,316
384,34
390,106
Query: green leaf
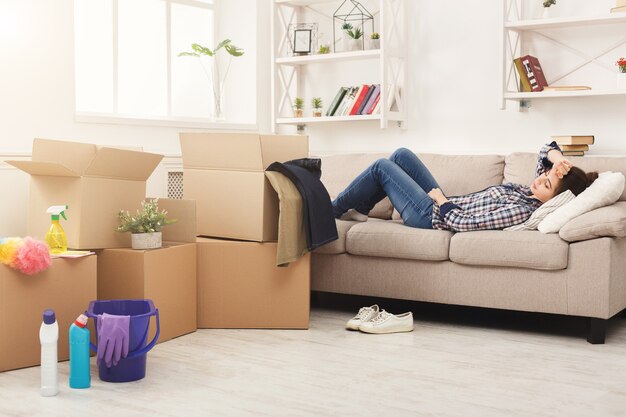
x,y
222,44
233,50
188,54
201,49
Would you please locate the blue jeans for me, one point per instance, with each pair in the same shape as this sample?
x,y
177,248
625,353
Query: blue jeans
x,y
403,178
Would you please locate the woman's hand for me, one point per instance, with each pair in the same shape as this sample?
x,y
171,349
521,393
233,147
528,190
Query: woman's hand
x,y
562,168
437,195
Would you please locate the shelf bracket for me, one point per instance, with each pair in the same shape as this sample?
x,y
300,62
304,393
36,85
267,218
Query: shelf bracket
x,y
524,105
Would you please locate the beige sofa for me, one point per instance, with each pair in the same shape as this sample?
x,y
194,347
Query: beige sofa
x,y
581,271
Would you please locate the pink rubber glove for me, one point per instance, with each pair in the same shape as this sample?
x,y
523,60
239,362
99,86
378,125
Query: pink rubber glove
x,y
113,338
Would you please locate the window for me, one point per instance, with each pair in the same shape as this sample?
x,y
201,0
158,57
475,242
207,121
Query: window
x,y
127,64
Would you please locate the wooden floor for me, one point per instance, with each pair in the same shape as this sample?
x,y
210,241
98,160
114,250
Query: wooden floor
x,y
457,362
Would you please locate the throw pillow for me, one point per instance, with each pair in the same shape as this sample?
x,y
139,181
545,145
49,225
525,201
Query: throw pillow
x,y
604,191
545,209
602,222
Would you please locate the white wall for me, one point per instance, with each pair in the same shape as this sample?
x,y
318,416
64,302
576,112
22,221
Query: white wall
x,y
453,92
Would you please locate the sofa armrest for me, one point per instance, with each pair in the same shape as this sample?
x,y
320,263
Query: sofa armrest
x,y
608,221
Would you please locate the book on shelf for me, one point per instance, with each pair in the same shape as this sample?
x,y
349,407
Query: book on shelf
x,y
573,153
620,9
524,84
375,104
574,139
534,72
566,88
574,147
359,99
347,101
336,101
370,90
370,102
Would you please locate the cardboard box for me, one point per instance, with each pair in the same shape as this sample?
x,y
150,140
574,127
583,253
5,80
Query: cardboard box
x,y
167,275
224,173
240,286
67,287
96,182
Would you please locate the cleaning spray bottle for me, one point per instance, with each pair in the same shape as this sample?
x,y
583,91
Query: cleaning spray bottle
x,y
55,237
79,354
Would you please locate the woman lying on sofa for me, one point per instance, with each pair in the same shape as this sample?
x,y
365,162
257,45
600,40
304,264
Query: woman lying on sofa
x,y
418,198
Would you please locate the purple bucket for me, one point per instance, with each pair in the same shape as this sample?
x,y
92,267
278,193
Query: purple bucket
x,y
133,366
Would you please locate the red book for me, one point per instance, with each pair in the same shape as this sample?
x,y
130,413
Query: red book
x,y
359,100
374,105
534,72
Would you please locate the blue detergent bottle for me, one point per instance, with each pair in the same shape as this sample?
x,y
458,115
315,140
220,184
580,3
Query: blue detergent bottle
x,y
80,376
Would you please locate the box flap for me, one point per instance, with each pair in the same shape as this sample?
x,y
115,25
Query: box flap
x,y
224,151
43,168
184,211
283,148
123,164
73,155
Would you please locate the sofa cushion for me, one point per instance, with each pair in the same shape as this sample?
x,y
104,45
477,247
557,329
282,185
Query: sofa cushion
x,y
607,221
339,170
390,239
525,249
337,246
520,166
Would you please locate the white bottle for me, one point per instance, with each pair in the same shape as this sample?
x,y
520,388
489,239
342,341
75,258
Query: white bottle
x,y
49,336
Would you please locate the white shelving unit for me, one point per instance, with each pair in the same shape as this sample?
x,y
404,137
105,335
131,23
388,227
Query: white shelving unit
x,y
288,72
514,32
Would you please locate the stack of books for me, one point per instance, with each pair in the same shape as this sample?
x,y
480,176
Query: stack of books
x,y
620,6
352,101
574,145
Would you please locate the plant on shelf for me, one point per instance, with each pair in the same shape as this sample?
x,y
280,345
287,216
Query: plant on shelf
x,y
145,226
298,106
548,3
621,64
324,49
375,40
215,78
317,104
354,40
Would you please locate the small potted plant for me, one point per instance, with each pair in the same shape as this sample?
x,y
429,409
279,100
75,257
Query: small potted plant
x,y
324,49
317,104
354,39
547,12
145,226
375,40
298,107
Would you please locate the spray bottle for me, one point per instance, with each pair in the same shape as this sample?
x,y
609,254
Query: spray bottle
x,y
55,237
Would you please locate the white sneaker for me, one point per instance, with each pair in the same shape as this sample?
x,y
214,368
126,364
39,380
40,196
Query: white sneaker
x,y
386,322
354,215
364,314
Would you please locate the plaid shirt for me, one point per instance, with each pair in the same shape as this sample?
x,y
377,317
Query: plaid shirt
x,y
495,207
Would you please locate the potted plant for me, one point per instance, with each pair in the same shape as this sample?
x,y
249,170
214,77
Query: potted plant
x,y
354,39
547,12
216,79
145,226
298,106
317,106
324,49
375,40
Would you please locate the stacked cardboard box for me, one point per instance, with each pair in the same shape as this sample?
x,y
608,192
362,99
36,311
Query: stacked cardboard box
x,y
166,275
239,284
95,182
67,287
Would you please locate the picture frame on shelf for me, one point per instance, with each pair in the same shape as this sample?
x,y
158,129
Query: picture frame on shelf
x,y
302,41
303,38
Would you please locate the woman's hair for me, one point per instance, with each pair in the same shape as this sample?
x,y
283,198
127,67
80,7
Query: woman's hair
x,y
576,181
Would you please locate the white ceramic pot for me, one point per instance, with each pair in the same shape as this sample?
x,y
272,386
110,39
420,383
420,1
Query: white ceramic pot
x,y
621,80
374,43
355,45
146,240
547,13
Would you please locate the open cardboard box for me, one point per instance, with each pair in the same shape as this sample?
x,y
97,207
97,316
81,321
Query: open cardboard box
x,y
95,182
240,286
67,287
166,275
224,173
